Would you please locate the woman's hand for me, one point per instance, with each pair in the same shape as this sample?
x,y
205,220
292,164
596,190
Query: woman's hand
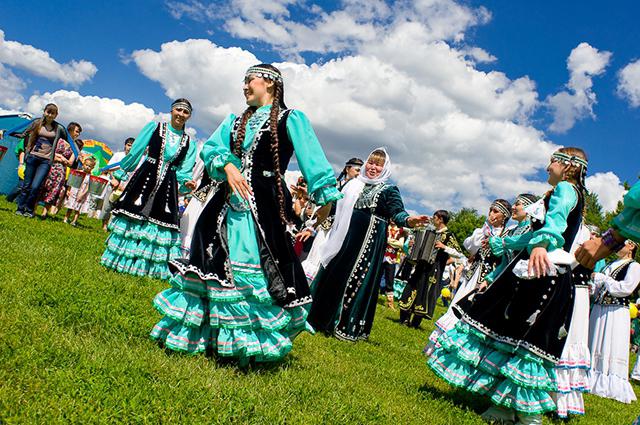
x,y
304,235
539,262
237,182
591,251
191,185
417,220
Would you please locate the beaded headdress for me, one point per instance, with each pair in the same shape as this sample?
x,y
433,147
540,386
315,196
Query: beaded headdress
x,y
263,72
526,199
570,159
181,104
503,207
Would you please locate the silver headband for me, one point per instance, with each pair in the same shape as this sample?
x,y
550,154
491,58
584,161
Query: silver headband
x,y
267,73
525,200
569,159
504,210
183,105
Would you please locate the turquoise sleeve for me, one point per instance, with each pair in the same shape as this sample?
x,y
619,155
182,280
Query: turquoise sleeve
x,y
514,243
185,168
628,221
131,160
562,201
321,181
216,152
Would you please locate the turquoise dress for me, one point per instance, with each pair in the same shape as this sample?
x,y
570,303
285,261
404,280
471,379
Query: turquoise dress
x,y
510,337
507,246
224,298
628,221
145,225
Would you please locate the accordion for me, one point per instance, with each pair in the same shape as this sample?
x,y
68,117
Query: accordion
x,y
423,248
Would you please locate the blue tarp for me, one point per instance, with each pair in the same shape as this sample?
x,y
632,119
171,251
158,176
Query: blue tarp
x,y
9,164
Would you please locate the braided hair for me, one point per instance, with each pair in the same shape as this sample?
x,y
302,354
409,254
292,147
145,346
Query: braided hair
x,y
278,102
276,107
576,173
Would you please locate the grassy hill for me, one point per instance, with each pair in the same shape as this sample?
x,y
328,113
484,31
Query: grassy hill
x,y
74,348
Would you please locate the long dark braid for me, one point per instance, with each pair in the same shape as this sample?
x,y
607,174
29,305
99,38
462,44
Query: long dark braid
x,y
273,127
237,145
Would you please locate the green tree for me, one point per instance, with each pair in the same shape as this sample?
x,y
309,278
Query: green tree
x,y
594,214
464,222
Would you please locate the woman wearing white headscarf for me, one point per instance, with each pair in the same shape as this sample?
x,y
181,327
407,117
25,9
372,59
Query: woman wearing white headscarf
x,y
345,289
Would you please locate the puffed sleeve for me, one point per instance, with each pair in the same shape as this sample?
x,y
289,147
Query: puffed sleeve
x,y
620,288
628,221
562,201
393,207
321,181
185,168
216,152
131,160
474,242
514,243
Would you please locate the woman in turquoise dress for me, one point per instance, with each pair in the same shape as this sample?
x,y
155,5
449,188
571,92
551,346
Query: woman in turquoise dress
x,y
242,293
511,336
145,226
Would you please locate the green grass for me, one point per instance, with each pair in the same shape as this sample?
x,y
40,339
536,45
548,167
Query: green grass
x,y
74,348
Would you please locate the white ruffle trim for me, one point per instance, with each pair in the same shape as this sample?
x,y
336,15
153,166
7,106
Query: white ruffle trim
x,y
570,380
611,386
569,403
575,356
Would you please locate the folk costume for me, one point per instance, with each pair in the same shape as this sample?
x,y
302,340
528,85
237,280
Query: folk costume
x,y
510,338
419,297
201,195
242,292
346,287
572,370
145,224
485,261
609,329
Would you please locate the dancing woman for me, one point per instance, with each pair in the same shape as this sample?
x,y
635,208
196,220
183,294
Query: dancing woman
x,y
610,326
345,290
242,293
510,338
145,224
474,275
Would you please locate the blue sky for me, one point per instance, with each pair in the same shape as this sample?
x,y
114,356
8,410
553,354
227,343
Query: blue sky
x,y
471,138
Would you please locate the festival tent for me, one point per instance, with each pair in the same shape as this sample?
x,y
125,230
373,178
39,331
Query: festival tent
x,y
8,159
100,151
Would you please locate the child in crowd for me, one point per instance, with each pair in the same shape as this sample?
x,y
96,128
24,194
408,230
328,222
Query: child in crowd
x,y
78,198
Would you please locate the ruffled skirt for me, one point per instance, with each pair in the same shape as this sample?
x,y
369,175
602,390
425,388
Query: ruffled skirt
x,y
609,329
235,322
140,248
449,319
572,370
511,377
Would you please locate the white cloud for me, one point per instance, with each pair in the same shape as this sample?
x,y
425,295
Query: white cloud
x,y
39,62
10,88
346,29
105,119
608,188
575,103
629,83
458,136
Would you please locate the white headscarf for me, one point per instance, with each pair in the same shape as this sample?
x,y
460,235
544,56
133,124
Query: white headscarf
x,y
344,208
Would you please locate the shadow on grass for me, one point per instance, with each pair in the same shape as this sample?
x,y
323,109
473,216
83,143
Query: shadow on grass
x,y
459,397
